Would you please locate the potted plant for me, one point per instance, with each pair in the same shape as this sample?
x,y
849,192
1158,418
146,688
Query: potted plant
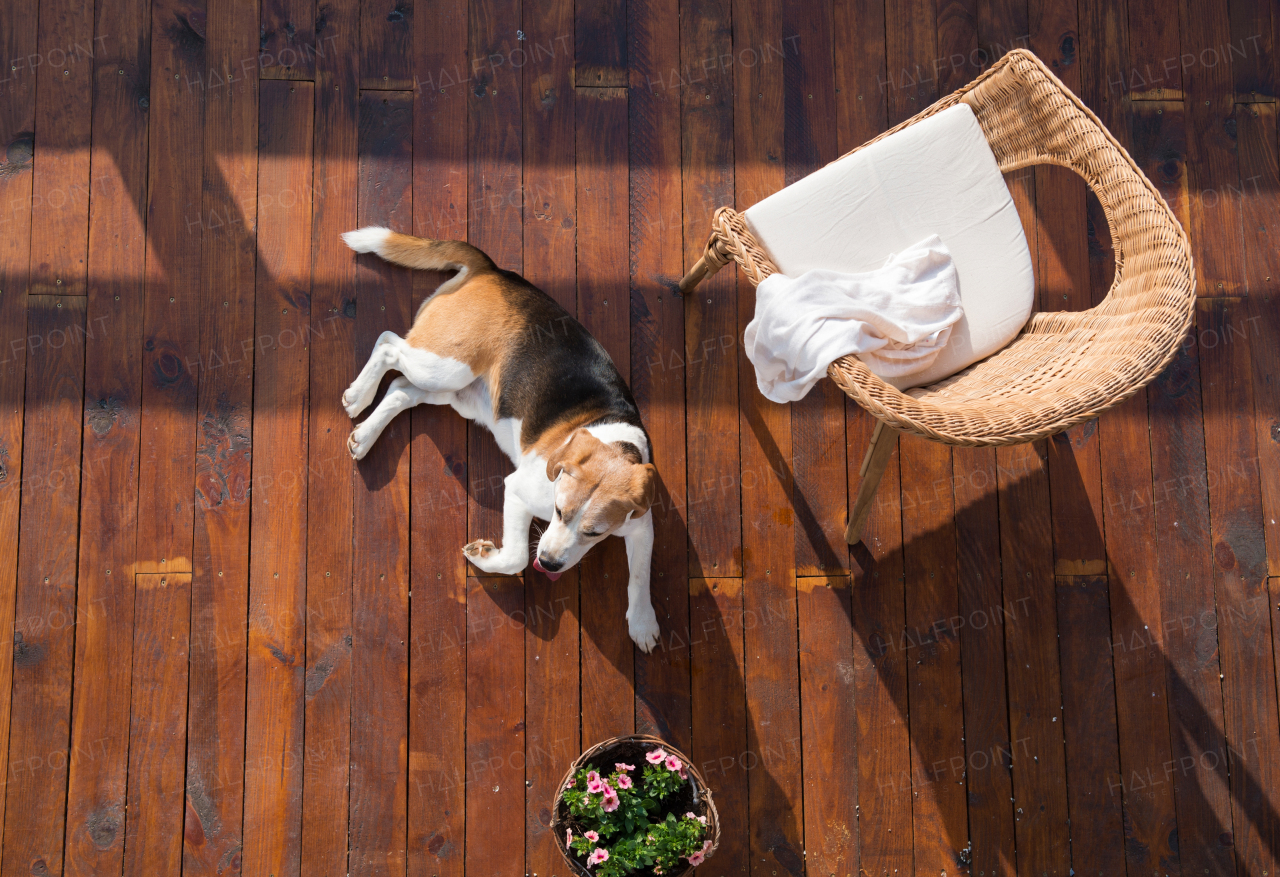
x,y
634,806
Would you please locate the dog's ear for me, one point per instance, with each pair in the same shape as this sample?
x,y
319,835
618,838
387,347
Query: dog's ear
x,y
644,487
572,455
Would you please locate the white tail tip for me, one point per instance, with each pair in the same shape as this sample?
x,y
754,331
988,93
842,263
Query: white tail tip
x,y
366,240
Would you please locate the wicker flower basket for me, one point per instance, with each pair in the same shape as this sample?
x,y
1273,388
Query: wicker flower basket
x,y
602,755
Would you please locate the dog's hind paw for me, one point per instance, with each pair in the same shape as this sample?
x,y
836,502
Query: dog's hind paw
x,y
644,630
353,403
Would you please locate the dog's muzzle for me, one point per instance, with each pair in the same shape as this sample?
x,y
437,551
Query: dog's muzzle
x,y
551,573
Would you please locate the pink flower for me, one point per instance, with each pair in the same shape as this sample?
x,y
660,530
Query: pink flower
x,y
598,855
674,763
592,776
568,836
683,775
656,756
611,801
624,767
706,844
572,783
624,782
701,819
591,836
696,859
595,786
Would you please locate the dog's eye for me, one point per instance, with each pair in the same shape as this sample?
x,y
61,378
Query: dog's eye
x,y
593,535
558,515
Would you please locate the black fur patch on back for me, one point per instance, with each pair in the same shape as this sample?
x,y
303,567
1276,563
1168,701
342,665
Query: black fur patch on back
x,y
555,369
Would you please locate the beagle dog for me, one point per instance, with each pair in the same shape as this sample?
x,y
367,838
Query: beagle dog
x,y
504,354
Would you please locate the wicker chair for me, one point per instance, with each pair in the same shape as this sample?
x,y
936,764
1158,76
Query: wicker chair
x,y
1064,367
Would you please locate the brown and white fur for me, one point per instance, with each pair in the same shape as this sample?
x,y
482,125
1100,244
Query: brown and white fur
x,y
506,355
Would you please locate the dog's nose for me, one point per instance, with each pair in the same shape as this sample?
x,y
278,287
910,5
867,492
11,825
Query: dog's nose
x,y
550,565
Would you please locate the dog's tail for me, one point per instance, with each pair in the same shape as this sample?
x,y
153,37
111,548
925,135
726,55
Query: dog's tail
x,y
421,253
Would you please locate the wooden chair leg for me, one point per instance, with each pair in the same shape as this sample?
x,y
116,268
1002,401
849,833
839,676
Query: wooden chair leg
x,y
883,441
700,271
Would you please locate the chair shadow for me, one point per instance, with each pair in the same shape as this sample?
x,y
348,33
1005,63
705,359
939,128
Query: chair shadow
x,y
1191,727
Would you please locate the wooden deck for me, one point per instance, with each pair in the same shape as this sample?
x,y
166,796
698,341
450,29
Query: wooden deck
x,y
235,651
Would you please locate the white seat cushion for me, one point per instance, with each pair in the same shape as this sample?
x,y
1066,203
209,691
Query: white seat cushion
x,y
937,176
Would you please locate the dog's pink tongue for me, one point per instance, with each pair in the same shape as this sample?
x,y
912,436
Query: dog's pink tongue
x,y
551,575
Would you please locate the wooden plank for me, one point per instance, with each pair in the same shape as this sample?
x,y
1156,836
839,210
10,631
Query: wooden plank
x,y
274,753
17,122
829,722
220,558
327,712
1190,636
1252,51
608,671
438,481
158,727
940,823
1142,711
495,215
1212,155
495,727
1240,585
1104,65
1032,662
289,44
1259,182
43,638
708,106
719,711
817,421
983,614
771,677
880,672
1155,68
380,586
861,77
1095,788
959,58
109,500
600,44
657,332
61,184
176,221
386,44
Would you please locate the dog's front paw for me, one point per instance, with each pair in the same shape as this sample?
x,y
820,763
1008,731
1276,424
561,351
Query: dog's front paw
x,y
479,550
643,627
488,558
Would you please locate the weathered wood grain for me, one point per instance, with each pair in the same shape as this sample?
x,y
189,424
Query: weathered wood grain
x,y
96,784
328,686
43,628
216,716
274,751
157,733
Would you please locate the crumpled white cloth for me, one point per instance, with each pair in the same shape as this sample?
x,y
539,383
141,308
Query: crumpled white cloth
x,y
896,319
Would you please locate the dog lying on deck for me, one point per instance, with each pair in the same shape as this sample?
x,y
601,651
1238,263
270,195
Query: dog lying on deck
x,y
504,354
